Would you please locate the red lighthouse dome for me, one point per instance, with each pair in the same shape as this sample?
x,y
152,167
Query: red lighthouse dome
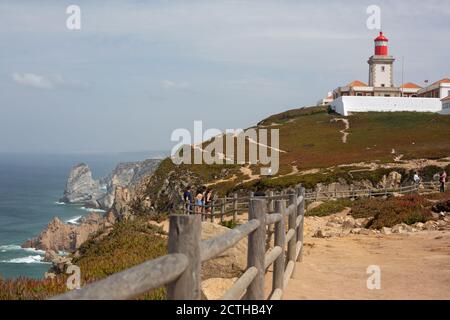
x,y
381,45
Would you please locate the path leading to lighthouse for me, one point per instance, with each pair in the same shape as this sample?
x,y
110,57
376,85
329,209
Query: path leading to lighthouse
x,y
413,266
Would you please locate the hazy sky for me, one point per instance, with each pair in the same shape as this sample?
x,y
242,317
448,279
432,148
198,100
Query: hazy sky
x,y
137,70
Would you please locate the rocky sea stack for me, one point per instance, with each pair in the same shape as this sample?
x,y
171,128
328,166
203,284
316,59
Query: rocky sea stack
x,y
80,186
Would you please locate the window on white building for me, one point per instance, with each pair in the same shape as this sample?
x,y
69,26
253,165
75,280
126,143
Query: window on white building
x,y
383,68
383,85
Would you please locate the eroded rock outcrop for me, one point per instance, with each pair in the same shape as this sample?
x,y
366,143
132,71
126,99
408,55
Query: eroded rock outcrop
x,y
60,236
80,186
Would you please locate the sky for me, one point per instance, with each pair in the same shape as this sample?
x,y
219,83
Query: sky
x,y
137,70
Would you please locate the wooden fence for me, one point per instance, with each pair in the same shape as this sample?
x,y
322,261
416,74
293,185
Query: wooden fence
x,y
179,271
421,188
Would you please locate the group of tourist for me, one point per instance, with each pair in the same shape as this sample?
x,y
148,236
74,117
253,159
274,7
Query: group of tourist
x,y
442,179
201,202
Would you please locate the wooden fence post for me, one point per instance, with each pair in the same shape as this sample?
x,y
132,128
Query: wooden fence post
x,y
235,207
256,249
222,209
280,234
271,203
185,237
301,212
292,221
213,208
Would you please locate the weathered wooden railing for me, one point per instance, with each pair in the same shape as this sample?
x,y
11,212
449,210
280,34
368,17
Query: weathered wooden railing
x,y
423,187
179,271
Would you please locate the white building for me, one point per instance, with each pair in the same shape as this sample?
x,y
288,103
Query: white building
x,y
326,101
446,105
381,94
348,104
439,89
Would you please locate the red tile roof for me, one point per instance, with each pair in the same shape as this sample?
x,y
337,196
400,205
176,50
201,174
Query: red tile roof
x,y
357,83
445,80
411,85
446,98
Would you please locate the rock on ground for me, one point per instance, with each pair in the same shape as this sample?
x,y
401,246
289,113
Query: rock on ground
x,y
215,288
229,264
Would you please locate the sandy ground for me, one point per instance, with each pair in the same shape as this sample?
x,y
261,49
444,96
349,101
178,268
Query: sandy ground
x,y
413,266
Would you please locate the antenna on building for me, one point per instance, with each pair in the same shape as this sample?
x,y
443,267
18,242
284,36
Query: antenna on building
x,y
403,74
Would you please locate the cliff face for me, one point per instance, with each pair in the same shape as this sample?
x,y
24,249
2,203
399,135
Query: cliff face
x,y
80,186
126,175
60,236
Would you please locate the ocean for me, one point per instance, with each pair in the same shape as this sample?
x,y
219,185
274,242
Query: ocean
x,y
30,186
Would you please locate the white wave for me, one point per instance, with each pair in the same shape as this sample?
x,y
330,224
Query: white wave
x,y
29,259
74,220
92,210
10,247
16,247
60,203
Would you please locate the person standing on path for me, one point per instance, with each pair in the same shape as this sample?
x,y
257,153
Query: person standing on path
x,y
442,179
417,179
187,199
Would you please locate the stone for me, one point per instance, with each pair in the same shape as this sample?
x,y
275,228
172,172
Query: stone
x,y
366,232
430,225
59,263
356,230
399,228
442,223
419,225
230,263
321,233
349,223
215,288
386,230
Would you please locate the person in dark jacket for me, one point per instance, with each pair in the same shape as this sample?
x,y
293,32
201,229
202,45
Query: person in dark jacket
x,y
187,199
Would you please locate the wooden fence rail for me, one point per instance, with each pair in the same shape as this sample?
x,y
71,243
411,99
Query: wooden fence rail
x,y
180,270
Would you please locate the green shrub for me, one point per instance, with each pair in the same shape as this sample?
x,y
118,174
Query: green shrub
x,y
229,224
389,212
330,207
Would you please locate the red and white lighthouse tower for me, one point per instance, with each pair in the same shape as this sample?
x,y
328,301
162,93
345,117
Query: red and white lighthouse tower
x,y
381,65
381,45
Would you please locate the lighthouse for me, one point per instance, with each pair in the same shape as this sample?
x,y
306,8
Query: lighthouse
x,y
381,64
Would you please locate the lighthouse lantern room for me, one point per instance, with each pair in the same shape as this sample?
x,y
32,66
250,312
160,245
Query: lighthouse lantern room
x,y
381,65
381,45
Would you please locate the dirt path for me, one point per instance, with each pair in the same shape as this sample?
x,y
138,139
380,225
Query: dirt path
x,y
344,131
413,266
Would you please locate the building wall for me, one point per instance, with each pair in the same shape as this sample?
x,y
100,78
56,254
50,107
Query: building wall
x,y
446,105
344,105
444,90
381,77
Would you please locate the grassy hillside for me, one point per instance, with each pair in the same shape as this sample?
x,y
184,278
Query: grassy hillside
x,y
312,139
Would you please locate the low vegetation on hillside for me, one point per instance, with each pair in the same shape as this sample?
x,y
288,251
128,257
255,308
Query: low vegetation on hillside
x,y
386,212
312,139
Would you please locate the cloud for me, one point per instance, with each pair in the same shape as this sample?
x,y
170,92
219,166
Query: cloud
x,y
170,84
37,81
